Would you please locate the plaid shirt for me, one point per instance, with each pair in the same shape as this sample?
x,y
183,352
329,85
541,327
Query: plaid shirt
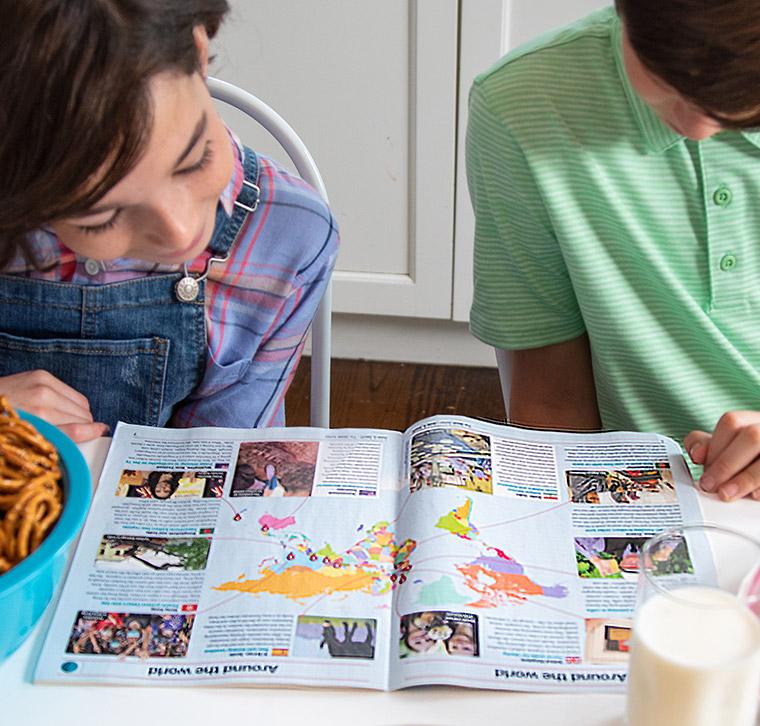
x,y
259,304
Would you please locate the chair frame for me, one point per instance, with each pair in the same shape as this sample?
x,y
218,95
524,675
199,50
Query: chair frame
x,y
505,376
321,327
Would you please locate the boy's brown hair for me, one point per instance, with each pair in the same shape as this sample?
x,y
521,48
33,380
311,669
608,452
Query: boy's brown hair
x,y
75,101
708,51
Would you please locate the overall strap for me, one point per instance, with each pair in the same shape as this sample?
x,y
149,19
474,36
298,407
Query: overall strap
x,y
228,228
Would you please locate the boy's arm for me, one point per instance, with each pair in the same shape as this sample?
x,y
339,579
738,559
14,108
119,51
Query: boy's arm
x,y
553,387
524,299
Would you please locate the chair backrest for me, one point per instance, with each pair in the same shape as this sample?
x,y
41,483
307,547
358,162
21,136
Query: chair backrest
x,y
502,361
304,163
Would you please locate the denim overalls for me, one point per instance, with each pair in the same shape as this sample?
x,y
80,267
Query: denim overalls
x,y
132,348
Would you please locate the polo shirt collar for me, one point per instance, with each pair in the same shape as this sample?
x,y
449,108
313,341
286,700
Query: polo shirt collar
x,y
656,134
753,137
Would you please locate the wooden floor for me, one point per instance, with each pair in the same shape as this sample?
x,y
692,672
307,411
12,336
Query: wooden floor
x,y
367,394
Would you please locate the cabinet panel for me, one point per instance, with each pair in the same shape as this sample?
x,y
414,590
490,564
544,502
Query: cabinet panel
x,y
371,89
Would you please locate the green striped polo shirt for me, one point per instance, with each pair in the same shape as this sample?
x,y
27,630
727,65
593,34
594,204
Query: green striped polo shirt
x,y
594,216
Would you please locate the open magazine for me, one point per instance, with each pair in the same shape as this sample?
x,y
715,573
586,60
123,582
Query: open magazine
x,y
458,552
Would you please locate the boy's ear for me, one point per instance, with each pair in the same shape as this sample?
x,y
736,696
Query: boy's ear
x,y
201,43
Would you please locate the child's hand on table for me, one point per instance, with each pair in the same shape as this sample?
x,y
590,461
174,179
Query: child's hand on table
x,y
42,394
730,455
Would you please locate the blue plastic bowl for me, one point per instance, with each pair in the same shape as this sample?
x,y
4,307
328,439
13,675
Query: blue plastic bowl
x,y
26,589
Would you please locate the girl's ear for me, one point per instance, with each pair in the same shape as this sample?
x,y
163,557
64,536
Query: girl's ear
x,y
201,43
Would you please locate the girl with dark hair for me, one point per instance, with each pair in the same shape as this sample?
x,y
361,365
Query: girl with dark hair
x,y
151,266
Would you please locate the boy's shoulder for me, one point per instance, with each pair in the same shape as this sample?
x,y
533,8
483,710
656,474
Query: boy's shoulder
x,y
580,50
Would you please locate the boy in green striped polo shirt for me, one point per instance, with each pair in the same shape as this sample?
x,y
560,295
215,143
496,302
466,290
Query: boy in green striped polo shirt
x,y
615,177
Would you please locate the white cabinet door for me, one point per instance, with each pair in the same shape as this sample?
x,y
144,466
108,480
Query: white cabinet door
x,y
490,28
371,88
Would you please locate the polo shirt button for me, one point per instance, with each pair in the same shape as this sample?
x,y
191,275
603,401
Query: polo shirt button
x,y
722,196
91,267
727,263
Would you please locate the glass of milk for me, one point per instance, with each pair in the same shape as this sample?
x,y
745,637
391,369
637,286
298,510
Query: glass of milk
x,y
695,650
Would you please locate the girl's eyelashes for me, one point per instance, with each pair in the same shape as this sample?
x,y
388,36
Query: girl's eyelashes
x,y
104,227
206,157
202,163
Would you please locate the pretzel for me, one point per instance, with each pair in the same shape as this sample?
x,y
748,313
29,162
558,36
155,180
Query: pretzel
x,y
30,489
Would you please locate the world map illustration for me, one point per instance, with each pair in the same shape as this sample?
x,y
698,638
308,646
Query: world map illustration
x,y
375,565
495,576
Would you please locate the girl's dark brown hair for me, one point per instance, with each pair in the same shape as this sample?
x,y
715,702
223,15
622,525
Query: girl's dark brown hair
x,y
75,100
708,51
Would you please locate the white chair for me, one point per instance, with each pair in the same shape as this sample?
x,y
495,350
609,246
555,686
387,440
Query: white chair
x,y
505,375
307,169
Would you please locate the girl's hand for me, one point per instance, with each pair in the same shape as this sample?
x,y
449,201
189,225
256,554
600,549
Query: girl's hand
x,y
730,455
42,394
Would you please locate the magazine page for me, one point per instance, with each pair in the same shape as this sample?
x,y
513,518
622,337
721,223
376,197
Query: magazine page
x,y
226,556
525,552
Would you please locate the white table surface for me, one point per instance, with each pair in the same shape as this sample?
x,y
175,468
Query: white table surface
x,y
25,704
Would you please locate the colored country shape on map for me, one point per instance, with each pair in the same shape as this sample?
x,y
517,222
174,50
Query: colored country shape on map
x,y
300,583
500,580
304,571
378,546
457,521
402,553
441,592
267,520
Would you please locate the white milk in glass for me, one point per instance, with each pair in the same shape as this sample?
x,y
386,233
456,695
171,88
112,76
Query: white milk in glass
x,y
695,660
